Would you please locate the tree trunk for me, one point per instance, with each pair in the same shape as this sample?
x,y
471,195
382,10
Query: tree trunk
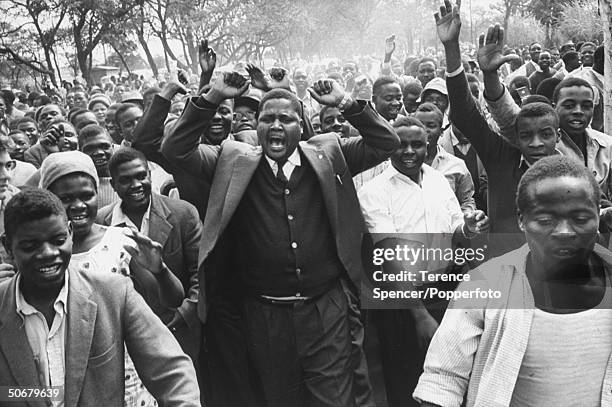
x,y
150,59
167,60
83,59
506,20
192,49
59,72
547,35
606,15
123,61
49,62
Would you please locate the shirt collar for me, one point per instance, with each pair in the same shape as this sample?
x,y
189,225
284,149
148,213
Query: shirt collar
x,y
591,135
294,159
391,172
60,305
524,160
440,153
597,137
119,217
454,139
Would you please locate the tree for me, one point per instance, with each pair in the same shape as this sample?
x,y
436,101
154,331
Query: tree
x,y
548,13
125,50
38,29
91,21
509,8
138,22
581,22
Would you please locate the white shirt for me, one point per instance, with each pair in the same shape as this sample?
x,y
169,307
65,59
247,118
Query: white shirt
x,y
293,161
566,357
159,177
464,148
393,203
48,345
458,177
118,217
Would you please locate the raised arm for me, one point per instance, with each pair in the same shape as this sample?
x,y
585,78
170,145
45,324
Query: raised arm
x,y
501,105
378,139
208,60
182,148
463,110
149,131
385,67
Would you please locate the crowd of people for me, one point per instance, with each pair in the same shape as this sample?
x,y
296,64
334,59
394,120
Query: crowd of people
x,y
202,243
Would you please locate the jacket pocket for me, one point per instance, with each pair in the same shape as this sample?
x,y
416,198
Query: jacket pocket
x,y
104,357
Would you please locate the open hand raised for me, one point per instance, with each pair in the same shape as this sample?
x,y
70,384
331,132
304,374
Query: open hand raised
x,y
448,22
490,50
390,44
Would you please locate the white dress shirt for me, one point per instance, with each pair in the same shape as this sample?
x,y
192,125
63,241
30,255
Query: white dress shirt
x,y
48,345
393,203
293,161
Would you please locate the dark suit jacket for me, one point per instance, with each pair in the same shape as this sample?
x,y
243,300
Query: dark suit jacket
x,y
148,137
104,312
35,155
229,169
176,226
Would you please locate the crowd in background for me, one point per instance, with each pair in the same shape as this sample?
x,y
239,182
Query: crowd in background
x,y
236,202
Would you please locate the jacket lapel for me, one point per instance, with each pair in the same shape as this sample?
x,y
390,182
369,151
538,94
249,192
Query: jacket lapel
x,y
244,168
232,176
159,227
80,329
14,343
328,178
108,216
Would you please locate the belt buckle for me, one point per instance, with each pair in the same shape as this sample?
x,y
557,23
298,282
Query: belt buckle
x,y
293,301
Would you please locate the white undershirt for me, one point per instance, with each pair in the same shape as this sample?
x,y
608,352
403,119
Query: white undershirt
x,y
566,357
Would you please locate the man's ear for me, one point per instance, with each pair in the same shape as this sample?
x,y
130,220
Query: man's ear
x,y
521,221
7,244
70,229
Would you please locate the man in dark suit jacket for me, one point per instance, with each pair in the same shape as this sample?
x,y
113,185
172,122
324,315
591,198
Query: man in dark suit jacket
x,y
87,318
148,137
172,223
151,130
283,229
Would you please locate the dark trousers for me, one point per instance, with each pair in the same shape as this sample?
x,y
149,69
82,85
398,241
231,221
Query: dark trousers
x,y
402,359
227,375
302,352
362,388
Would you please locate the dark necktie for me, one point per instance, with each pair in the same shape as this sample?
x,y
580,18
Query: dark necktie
x,y
280,174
